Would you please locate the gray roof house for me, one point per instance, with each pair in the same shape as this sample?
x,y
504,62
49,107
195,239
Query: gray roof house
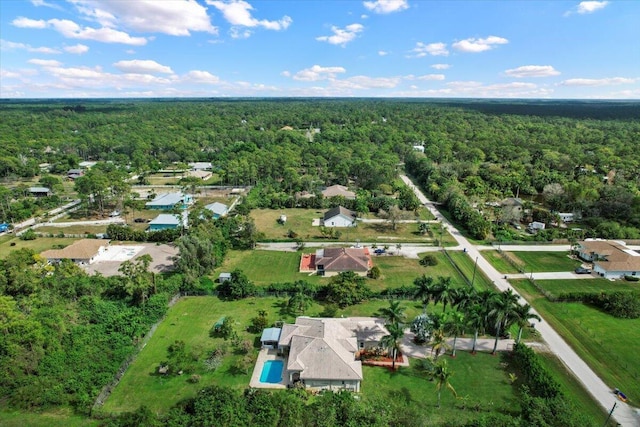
x,y
338,190
167,201
339,217
40,191
321,352
218,209
611,259
168,222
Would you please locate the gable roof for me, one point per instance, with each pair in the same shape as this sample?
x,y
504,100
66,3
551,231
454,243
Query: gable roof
x,y
338,190
167,199
343,259
613,256
81,249
169,219
217,208
39,190
322,348
339,211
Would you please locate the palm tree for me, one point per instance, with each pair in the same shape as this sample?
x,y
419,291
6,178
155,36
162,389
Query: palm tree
x,y
424,290
465,297
444,292
441,374
392,341
502,311
455,326
486,298
475,318
438,342
523,315
394,314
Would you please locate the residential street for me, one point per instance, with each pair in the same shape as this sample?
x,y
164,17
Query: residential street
x,y
624,414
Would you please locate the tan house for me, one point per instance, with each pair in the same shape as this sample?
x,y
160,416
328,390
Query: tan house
x,y
81,252
338,190
333,261
611,259
321,352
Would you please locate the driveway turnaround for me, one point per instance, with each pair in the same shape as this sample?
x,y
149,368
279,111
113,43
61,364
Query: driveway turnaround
x,y
624,414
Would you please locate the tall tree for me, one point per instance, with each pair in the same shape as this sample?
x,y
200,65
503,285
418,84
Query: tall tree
x,y
394,313
523,314
444,292
424,290
392,341
455,325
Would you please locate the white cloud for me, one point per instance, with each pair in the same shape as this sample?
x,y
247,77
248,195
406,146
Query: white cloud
x,y
238,13
608,81
386,6
176,18
142,66
8,45
363,16
239,33
591,6
441,66
23,22
532,71
286,73
45,62
435,49
197,76
6,74
46,50
366,82
431,77
78,49
474,45
383,53
342,36
317,72
38,3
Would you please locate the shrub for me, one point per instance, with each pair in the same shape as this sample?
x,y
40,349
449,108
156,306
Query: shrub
x,y
374,273
429,260
28,235
625,305
632,278
537,378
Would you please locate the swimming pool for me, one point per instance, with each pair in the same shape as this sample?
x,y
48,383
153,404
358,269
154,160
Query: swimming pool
x,y
272,371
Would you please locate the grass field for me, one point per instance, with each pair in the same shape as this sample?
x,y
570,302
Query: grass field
x,y
59,418
266,267
300,221
467,266
72,229
498,262
608,344
38,245
556,287
538,262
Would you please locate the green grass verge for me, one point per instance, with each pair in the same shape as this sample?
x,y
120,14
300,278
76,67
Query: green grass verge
x,y
556,287
546,261
467,266
607,344
57,418
498,262
38,245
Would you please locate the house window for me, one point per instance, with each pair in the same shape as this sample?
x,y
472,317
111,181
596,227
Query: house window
x,y
361,344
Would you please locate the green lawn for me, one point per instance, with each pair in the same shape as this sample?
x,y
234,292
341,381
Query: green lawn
x,y
556,287
479,380
57,418
38,245
300,221
189,320
498,262
72,229
467,266
608,344
546,261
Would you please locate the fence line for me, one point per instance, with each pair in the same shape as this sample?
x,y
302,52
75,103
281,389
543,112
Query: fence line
x,y
107,389
453,263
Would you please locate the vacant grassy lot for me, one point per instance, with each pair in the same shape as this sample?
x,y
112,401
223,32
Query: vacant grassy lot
x,y
498,262
538,262
608,344
72,229
57,418
467,266
266,267
556,287
300,221
38,245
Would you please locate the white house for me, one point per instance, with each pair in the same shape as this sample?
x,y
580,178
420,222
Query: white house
x,y
218,209
566,216
201,166
81,252
339,217
419,148
611,259
535,226
321,352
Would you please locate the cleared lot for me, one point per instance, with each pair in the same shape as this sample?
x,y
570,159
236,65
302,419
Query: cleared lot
x,y
108,264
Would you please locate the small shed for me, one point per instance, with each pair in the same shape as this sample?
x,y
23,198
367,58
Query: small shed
x,y
270,337
223,277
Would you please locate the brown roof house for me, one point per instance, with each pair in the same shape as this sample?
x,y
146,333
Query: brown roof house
x,y
81,252
321,352
338,190
333,261
611,259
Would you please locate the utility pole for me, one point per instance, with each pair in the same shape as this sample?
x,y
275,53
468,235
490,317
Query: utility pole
x,y
473,278
610,413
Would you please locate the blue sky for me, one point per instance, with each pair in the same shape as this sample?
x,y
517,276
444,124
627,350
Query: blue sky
x,y
378,48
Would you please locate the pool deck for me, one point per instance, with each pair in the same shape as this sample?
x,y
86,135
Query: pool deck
x,y
263,356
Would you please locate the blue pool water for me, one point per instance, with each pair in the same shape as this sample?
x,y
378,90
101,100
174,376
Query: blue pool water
x,y
272,371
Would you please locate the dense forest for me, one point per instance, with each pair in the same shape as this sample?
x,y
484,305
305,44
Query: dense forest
x,y
577,157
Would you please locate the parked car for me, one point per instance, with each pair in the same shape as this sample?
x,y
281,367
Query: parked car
x,y
379,251
582,270
114,214
139,220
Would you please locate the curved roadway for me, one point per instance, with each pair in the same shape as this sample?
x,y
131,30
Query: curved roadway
x,y
624,414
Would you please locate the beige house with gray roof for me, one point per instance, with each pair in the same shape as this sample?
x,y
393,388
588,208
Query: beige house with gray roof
x,y
611,259
321,352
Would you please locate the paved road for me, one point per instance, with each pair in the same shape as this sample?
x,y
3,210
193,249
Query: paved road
x,y
408,250
624,414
